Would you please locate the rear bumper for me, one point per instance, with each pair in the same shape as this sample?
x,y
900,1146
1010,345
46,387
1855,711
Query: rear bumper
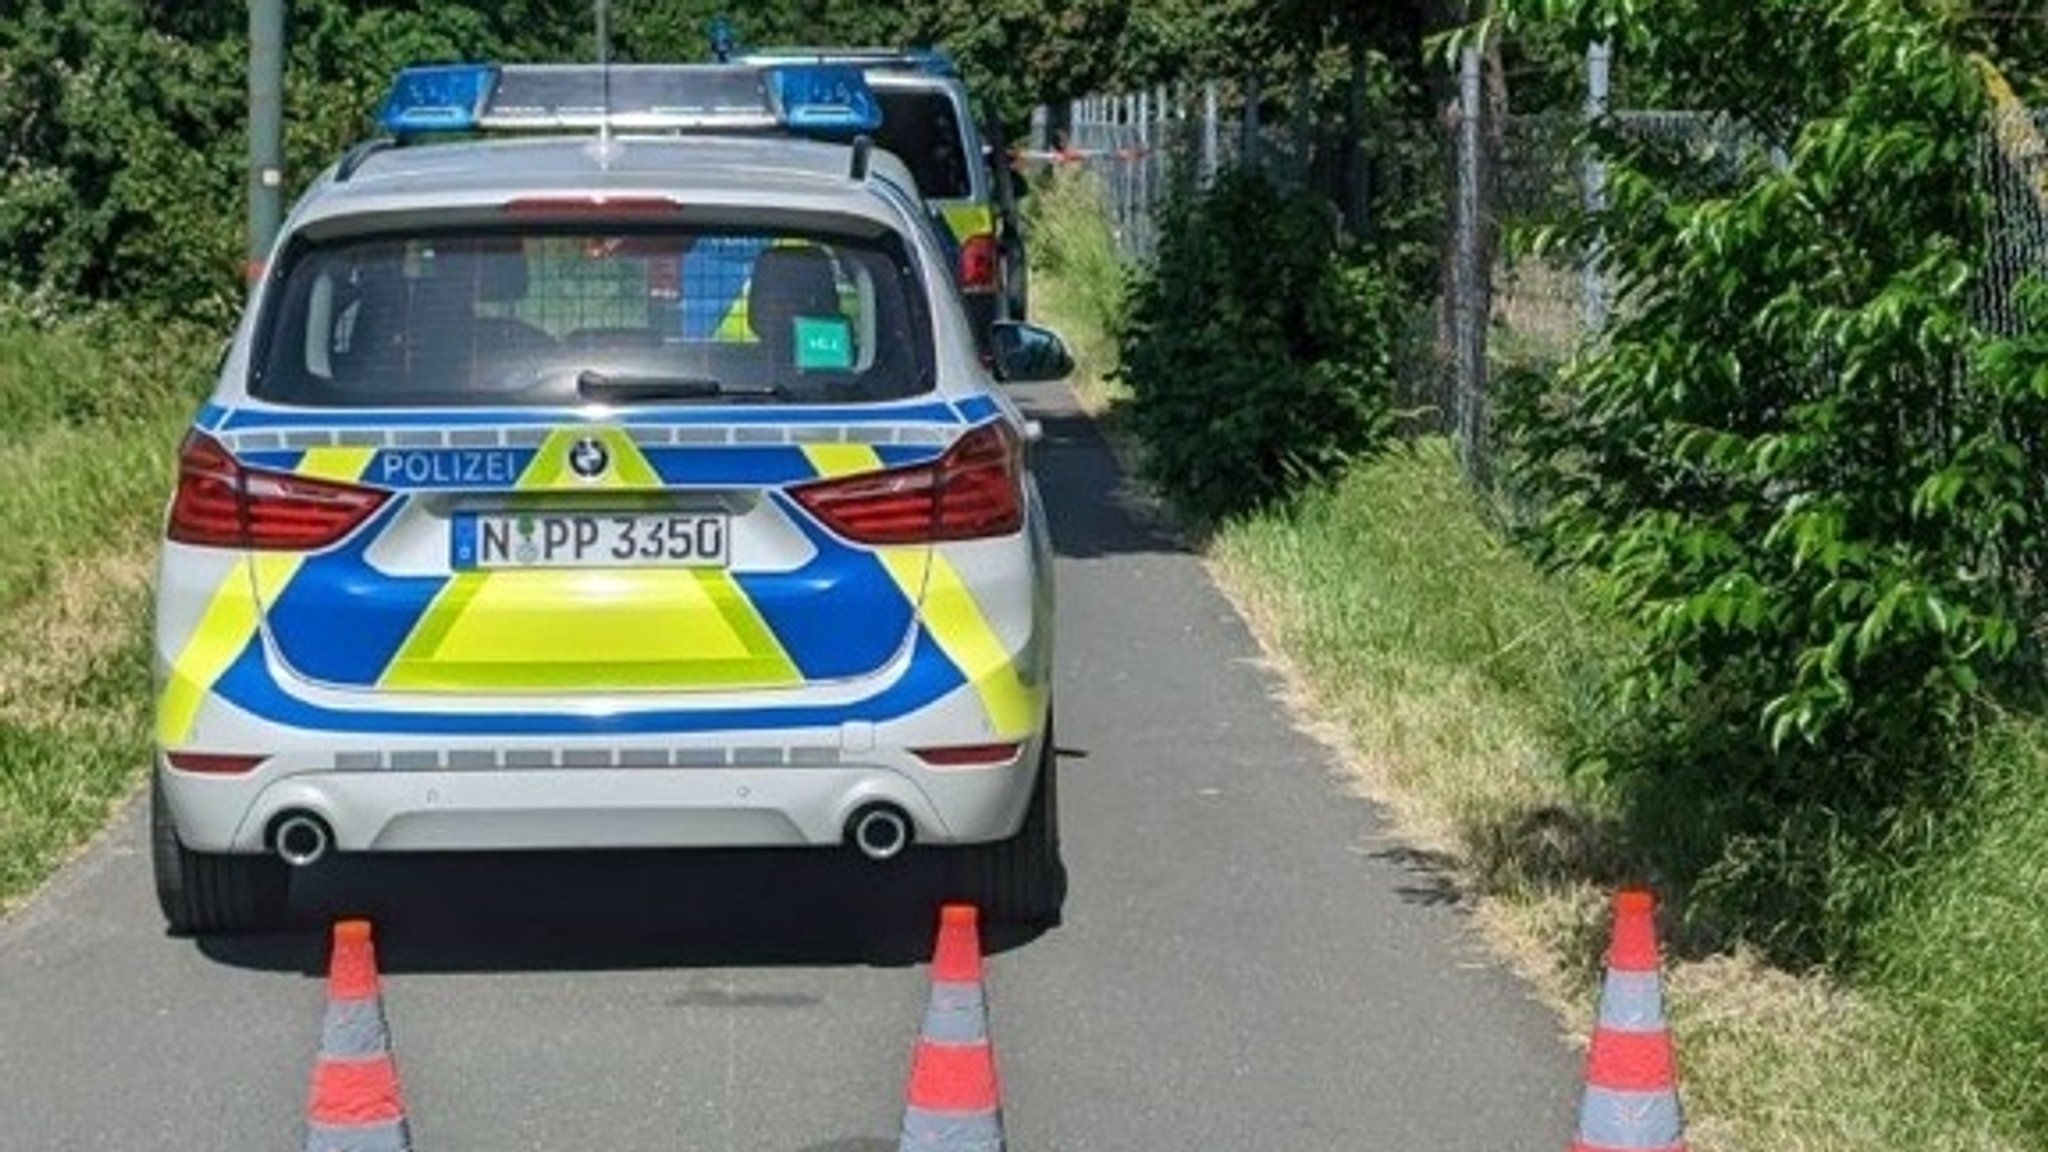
x,y
451,809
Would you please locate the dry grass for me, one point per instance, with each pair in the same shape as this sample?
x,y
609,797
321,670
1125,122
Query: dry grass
x,y
80,619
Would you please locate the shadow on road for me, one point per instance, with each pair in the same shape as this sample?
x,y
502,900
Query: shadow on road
x,y
1096,510
613,911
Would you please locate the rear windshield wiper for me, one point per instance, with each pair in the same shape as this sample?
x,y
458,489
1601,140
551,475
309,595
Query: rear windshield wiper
x,y
595,385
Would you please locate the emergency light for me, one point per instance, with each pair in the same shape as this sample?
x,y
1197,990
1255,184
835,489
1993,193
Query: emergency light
x,y
825,98
818,99
437,98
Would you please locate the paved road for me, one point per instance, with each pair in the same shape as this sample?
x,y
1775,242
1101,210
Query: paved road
x,y
1244,963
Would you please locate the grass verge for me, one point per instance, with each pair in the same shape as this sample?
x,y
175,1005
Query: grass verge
x,y
89,419
1452,677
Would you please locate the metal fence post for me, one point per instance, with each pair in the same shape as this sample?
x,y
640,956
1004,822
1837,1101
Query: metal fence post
x,y
266,130
1599,65
1141,178
1467,308
1166,142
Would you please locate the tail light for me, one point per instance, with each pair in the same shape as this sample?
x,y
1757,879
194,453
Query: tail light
x,y
973,491
979,263
221,504
214,763
968,755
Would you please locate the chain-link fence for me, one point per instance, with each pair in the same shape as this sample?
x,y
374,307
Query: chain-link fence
x,y
1492,193
2015,158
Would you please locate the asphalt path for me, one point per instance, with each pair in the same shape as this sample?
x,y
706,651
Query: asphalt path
x,y
1246,962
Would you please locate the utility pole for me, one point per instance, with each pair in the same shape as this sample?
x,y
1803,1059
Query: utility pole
x,y
266,129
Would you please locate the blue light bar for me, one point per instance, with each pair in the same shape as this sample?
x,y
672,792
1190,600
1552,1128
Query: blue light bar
x,y
816,99
438,98
828,99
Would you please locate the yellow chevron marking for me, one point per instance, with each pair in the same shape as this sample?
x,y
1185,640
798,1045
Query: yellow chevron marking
x,y
970,219
550,469
346,465
948,609
235,612
831,461
645,629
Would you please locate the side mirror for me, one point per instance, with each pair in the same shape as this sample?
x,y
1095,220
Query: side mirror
x,y
1027,353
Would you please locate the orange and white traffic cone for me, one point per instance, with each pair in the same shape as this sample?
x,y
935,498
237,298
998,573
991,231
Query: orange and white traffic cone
x,y
954,1101
1631,1101
355,1105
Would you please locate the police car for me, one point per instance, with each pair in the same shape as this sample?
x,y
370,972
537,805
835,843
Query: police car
x,y
604,461
929,120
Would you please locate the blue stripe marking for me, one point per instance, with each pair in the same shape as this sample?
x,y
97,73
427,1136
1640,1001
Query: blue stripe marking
x,y
209,418
248,685
341,621
975,409
901,455
705,465
920,412
840,615
497,469
486,469
286,461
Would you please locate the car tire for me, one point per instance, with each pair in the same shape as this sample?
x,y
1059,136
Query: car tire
x,y
205,892
1022,881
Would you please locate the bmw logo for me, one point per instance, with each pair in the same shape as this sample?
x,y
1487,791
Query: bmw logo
x,y
588,459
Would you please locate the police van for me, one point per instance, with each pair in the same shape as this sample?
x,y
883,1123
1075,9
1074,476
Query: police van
x,y
959,160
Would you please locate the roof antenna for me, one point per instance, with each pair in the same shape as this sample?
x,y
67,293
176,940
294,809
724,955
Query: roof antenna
x,y
862,148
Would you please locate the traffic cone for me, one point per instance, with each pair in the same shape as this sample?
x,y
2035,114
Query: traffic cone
x,y
954,1102
1631,1101
355,1105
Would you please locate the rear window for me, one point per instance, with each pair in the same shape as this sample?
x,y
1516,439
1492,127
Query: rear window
x,y
923,128
568,317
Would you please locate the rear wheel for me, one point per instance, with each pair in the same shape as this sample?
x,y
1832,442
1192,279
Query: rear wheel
x,y
1022,880
209,892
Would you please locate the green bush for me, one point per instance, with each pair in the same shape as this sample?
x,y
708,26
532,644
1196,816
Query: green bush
x,y
1800,470
1259,352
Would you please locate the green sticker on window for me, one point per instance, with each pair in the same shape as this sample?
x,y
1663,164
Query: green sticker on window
x,y
824,344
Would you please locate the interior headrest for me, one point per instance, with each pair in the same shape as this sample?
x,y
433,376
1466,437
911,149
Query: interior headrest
x,y
789,282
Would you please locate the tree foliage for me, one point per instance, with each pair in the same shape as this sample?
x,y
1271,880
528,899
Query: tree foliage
x,y
1797,462
123,175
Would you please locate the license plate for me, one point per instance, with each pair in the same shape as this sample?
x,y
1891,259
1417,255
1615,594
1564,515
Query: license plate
x,y
592,540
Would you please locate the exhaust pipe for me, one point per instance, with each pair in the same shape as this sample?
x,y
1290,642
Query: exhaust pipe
x,y
301,839
880,831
